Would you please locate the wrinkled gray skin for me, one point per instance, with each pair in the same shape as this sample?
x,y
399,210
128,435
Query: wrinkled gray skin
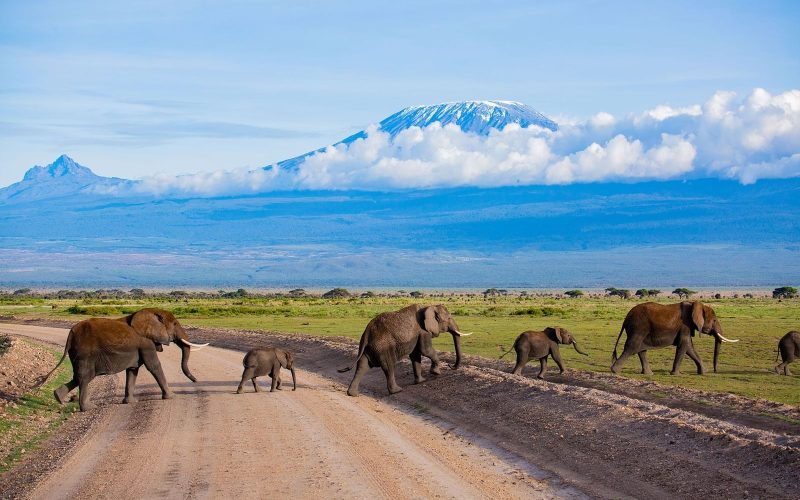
x,y
266,361
408,332
651,325
538,345
100,346
789,347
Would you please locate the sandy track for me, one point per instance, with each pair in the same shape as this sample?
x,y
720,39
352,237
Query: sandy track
x,y
208,442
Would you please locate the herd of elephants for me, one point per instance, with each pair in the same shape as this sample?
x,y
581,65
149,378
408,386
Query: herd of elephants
x,y
100,346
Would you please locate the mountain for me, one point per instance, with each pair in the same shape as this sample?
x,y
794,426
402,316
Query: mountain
x,y
478,117
63,177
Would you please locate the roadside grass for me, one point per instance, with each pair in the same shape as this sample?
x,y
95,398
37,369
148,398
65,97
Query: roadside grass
x,y
745,367
36,415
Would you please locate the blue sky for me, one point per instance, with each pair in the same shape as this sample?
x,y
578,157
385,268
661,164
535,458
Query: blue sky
x,y
134,89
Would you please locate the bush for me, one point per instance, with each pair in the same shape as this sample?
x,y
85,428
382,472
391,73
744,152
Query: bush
x,y
784,292
574,293
619,292
337,293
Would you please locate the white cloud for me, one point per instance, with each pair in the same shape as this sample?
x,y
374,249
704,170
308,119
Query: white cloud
x,y
745,138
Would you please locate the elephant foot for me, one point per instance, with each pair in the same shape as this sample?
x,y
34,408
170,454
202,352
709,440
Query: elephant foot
x,y
701,372
674,372
614,370
436,371
647,372
166,395
87,407
127,400
239,390
352,392
395,389
540,376
420,380
61,394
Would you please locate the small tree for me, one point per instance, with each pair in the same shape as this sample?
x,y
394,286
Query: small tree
x,y
22,291
416,294
642,292
784,292
683,293
619,292
491,292
653,292
573,293
297,292
367,295
136,292
337,293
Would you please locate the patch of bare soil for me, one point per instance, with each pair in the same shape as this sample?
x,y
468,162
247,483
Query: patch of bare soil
x,y
606,441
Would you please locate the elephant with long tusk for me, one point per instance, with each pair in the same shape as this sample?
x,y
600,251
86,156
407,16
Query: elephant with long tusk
x,y
407,332
651,325
100,346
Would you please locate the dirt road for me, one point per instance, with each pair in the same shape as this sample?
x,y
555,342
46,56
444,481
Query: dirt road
x,y
315,442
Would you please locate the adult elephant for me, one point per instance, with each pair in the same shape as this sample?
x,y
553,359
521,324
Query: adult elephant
x,y
407,332
651,325
100,346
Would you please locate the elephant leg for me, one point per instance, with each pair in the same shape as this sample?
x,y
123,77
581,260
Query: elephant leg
x,y
87,374
247,374
786,370
522,360
130,384
427,350
543,368
255,384
153,365
278,378
626,353
274,383
361,368
679,353
388,370
645,363
416,364
557,358
62,392
694,357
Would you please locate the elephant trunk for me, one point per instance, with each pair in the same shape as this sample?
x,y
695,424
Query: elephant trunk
x,y
457,345
575,345
185,349
717,343
294,379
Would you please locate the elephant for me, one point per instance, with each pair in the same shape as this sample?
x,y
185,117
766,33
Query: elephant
x,y
789,348
539,345
408,332
266,361
102,346
651,325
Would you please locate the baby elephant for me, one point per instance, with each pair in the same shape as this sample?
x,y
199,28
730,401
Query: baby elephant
x,y
266,361
789,346
539,345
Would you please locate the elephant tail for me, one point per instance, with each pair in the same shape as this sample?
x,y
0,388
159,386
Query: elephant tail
x,y
504,353
43,379
614,356
362,346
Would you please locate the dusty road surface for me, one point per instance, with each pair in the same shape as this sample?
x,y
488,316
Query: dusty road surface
x,y
316,442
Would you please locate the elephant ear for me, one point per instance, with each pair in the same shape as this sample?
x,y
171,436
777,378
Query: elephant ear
x,y
430,323
554,333
150,324
697,316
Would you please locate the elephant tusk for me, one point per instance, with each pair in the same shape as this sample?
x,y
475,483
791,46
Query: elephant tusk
x,y
463,334
726,340
196,346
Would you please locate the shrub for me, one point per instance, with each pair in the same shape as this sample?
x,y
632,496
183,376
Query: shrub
x,y
337,293
573,293
619,292
784,292
683,293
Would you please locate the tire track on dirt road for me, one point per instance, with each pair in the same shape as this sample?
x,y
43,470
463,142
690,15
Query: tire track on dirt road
x,y
208,442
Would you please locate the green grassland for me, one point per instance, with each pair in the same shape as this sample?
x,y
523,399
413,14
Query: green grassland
x,y
35,416
745,367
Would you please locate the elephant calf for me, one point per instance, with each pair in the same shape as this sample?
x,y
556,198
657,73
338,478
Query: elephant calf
x,y
267,361
789,347
539,345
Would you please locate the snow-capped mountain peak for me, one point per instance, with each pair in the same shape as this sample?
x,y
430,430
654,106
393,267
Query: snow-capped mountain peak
x,y
477,117
63,166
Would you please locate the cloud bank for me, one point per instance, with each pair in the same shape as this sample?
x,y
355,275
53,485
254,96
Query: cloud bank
x,y
729,136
